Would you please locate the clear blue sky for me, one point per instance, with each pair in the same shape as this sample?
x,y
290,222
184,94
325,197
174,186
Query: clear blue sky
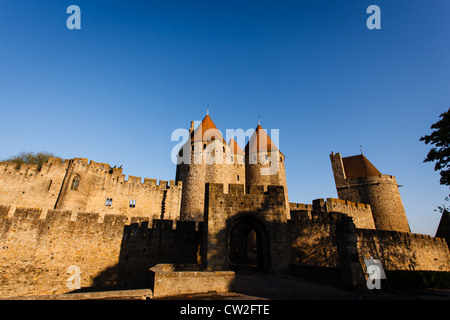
x,y
137,70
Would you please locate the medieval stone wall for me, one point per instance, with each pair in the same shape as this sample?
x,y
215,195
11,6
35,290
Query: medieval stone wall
x,y
313,242
38,247
28,186
361,213
210,162
380,191
265,211
267,168
36,253
404,251
312,239
80,185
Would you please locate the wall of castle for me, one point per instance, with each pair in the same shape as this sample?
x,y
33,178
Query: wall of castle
x,y
382,193
210,162
361,213
404,251
37,248
36,253
80,185
313,242
164,241
264,211
105,190
267,168
28,186
312,239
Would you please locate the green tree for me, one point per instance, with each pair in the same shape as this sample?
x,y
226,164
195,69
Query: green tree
x,y
38,158
440,152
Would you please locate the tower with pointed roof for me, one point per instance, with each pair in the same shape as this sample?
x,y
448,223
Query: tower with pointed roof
x,y
264,163
358,180
206,158
443,230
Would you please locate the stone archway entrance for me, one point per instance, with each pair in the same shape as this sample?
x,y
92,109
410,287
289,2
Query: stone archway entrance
x,y
248,245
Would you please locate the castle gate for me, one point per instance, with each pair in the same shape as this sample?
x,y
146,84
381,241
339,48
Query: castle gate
x,y
248,244
245,228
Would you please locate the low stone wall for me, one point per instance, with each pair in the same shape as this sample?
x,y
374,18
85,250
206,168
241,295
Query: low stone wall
x,y
172,279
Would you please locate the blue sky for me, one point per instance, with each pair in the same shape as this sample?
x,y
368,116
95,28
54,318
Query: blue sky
x,y
137,70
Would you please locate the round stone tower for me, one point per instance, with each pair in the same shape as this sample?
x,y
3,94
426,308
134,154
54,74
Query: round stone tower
x,y
264,163
358,180
205,158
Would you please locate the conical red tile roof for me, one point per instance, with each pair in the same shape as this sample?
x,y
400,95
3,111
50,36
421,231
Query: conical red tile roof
x,y
260,142
235,147
207,131
359,166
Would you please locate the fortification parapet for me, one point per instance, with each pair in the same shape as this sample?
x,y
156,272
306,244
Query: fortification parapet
x,y
403,250
300,206
382,178
359,180
360,212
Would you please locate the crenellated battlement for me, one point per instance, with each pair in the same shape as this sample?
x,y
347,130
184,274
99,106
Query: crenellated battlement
x,y
360,212
305,217
382,178
38,246
388,235
70,218
59,218
29,170
252,199
300,206
115,174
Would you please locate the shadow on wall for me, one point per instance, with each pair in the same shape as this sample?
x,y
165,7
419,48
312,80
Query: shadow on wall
x,y
225,237
143,248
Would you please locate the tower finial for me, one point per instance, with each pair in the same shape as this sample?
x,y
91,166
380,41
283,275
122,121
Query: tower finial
x,y
207,110
259,121
360,148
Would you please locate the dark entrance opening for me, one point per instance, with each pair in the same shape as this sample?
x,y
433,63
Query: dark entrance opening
x,y
246,245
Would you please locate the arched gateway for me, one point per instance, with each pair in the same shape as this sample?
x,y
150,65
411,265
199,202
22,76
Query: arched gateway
x,y
248,243
245,229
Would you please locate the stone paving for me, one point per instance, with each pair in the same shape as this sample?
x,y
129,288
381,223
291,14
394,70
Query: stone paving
x,y
254,285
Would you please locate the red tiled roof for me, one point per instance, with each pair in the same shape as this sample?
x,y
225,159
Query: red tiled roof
x,y
260,141
359,166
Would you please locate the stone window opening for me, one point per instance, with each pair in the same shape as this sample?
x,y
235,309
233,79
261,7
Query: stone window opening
x,y
108,202
75,183
132,203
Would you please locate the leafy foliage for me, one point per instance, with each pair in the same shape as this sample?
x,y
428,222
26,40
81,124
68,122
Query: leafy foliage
x,y
440,153
38,158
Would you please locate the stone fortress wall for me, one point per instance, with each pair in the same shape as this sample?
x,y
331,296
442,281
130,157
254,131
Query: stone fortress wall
x,y
88,214
84,186
112,250
37,247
